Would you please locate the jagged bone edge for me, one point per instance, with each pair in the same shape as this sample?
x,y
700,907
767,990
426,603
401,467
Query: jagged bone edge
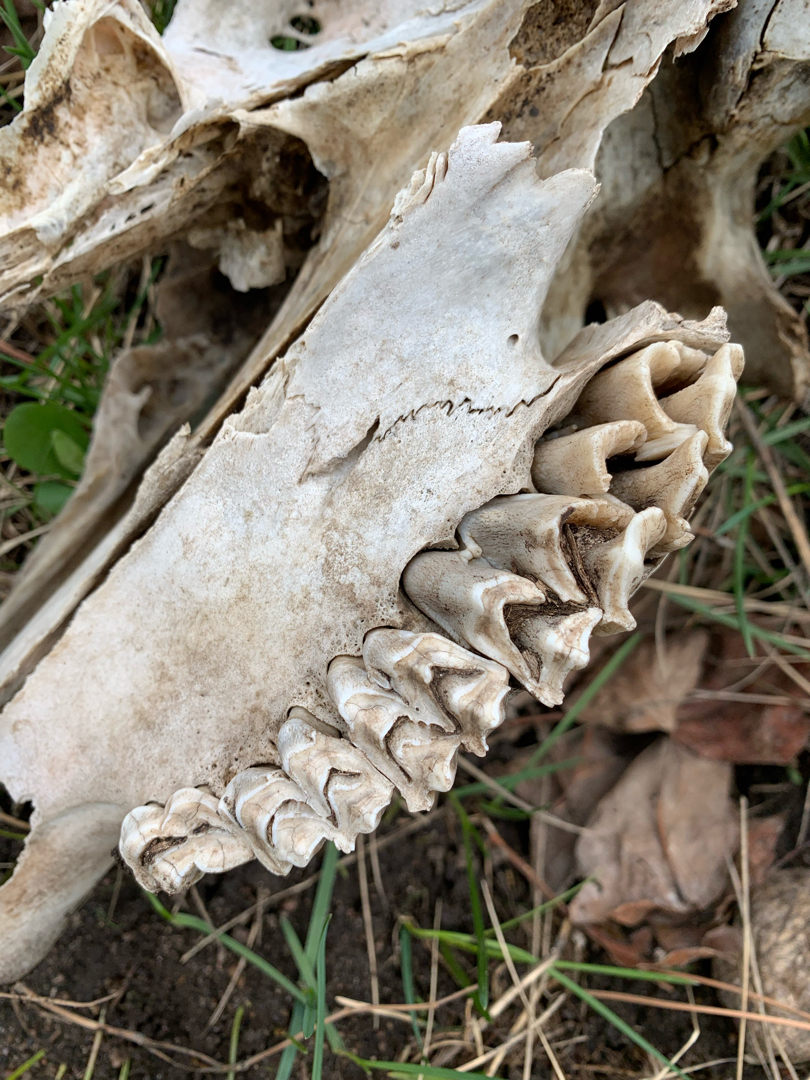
x,y
534,576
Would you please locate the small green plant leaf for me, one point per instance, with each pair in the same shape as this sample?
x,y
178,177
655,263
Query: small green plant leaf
x,y
68,452
29,437
50,496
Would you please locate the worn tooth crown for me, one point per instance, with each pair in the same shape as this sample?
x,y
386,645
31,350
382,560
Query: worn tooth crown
x,y
576,464
707,402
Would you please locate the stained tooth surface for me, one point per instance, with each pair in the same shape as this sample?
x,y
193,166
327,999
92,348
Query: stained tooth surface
x,y
617,567
170,847
552,646
707,402
674,485
626,391
338,781
468,598
576,464
281,827
525,534
432,674
418,758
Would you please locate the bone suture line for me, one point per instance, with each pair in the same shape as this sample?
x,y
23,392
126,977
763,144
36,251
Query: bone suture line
x,y
534,576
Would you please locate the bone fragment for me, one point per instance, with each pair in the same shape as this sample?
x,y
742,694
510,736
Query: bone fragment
x,y
576,464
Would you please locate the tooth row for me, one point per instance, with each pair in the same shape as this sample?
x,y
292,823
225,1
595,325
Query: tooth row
x,y
535,575
405,709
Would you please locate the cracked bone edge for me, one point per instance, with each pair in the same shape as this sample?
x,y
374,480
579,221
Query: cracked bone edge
x,y
417,757
617,567
525,535
673,484
626,391
429,671
576,464
169,848
281,828
337,779
707,402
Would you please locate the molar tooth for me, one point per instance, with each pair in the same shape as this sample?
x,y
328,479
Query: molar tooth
x,y
467,599
617,567
281,827
673,485
524,534
576,464
552,645
626,391
707,402
433,676
417,757
169,848
338,781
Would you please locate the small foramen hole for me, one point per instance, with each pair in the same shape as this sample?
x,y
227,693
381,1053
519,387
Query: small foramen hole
x,y
305,24
302,24
513,339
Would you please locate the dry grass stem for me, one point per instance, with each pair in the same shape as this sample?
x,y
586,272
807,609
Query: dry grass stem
x,y
368,926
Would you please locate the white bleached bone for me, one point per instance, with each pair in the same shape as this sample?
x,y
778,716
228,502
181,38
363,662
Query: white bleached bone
x,y
626,391
414,396
527,535
707,402
673,484
281,828
576,464
418,757
617,567
171,847
430,672
337,780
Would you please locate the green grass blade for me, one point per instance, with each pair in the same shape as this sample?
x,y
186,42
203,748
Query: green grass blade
x,y
739,564
124,1072
322,902
730,621
617,1022
26,1065
430,1072
287,1060
468,833
541,909
406,967
454,967
320,1025
674,977
587,696
233,1050
192,922
511,781
305,968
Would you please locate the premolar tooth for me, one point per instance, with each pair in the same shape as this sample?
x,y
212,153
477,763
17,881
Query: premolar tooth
x,y
626,391
433,675
707,402
281,827
524,534
576,464
338,781
553,646
673,485
467,599
169,848
617,567
416,757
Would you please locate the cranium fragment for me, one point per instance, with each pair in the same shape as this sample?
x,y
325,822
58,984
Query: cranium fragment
x,y
334,602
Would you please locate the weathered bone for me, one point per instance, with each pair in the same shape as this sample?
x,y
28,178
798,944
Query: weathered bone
x,y
707,403
626,391
576,464
674,485
171,847
414,397
430,671
281,828
525,534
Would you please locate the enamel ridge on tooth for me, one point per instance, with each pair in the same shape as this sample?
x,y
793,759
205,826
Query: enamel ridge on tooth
x,y
576,464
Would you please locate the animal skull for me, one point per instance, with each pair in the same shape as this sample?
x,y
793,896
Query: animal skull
x,y
335,601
